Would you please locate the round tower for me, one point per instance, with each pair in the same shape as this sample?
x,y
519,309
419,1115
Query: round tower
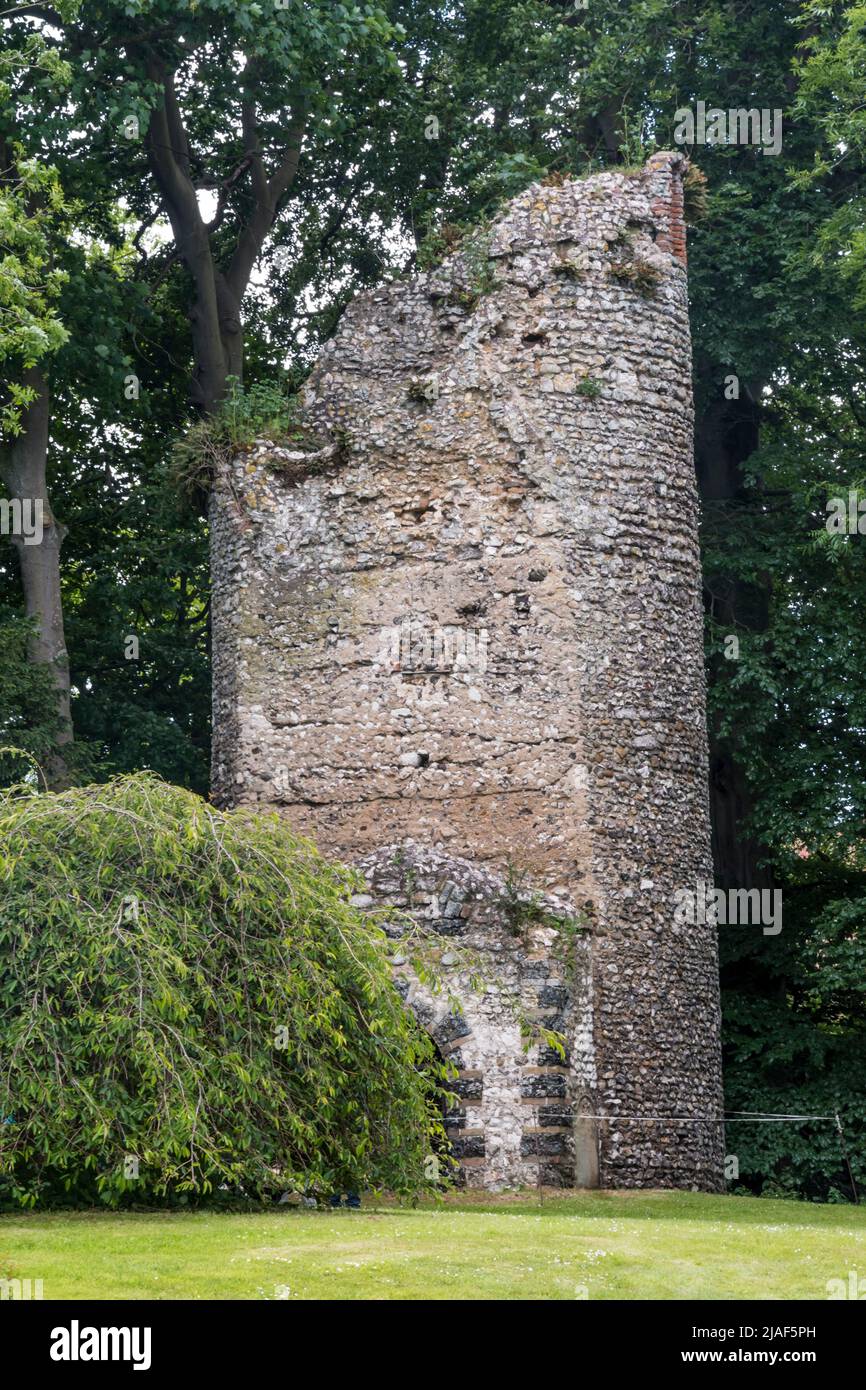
x,y
459,627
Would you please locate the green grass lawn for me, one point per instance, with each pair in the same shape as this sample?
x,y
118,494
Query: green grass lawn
x,y
671,1245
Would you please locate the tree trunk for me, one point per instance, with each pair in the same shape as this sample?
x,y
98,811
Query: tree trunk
x,y
217,333
727,433
230,329
24,473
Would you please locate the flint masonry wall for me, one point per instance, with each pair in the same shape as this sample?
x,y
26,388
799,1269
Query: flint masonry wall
x,y
458,625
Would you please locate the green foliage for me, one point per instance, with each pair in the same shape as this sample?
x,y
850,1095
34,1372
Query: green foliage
x,y
514,171
520,906
472,246
438,243
794,1006
28,702
523,908
31,203
831,72
193,990
475,254
264,410
35,215
589,387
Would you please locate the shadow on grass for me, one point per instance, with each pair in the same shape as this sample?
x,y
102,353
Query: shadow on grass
x,y
659,1204
625,1205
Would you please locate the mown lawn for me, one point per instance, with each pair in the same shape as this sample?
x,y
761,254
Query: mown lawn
x,y
671,1245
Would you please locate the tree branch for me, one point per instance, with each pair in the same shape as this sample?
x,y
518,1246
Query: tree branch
x,y
179,141
168,153
268,192
169,157
34,12
252,144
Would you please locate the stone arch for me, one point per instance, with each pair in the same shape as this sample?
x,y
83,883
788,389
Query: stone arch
x,y
514,1124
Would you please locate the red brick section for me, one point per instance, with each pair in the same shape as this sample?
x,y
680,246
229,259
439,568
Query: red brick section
x,y
668,208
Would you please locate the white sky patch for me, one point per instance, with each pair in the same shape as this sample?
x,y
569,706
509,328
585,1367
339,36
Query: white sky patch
x,y
207,202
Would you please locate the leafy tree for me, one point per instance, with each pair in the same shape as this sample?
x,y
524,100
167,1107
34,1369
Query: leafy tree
x,y
93,423
773,313
831,75
34,214
222,98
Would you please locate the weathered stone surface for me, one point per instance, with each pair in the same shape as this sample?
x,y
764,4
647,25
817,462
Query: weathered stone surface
x,y
470,625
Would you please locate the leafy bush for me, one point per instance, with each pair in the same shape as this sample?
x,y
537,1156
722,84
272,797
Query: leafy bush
x,y
262,410
190,1006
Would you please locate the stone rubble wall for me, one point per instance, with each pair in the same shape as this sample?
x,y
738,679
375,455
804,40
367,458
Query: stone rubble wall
x,y
464,613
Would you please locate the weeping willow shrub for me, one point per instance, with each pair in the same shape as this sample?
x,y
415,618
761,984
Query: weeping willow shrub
x,y
190,1008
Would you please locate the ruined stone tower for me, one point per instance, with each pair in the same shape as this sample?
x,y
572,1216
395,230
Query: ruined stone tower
x,y
457,641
